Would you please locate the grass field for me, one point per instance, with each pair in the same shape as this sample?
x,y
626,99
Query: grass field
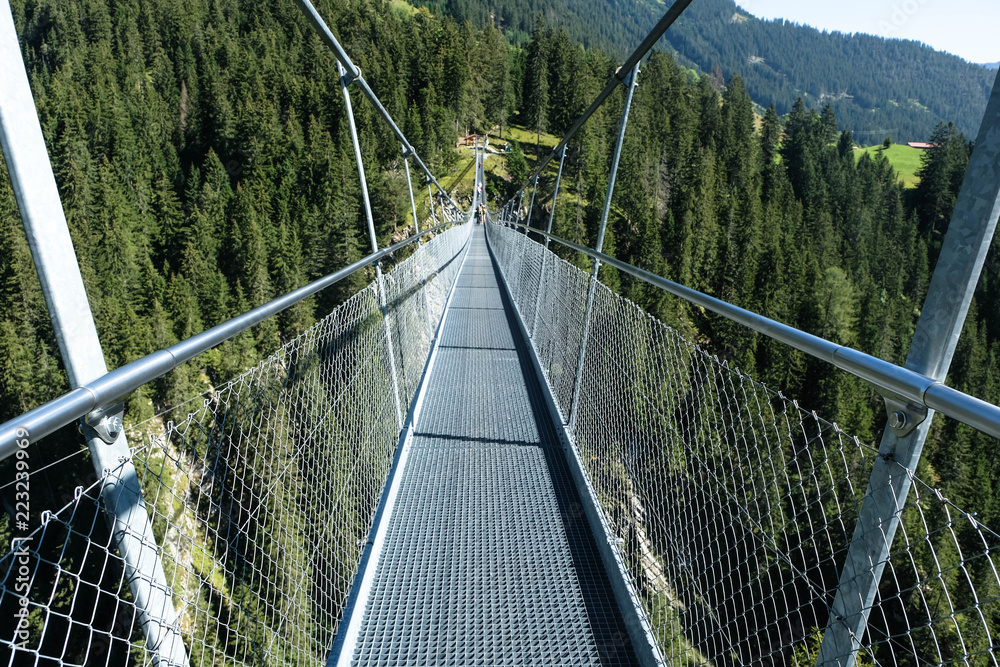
x,y
460,178
525,137
905,160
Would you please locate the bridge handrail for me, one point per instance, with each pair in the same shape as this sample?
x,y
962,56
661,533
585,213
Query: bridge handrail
x,y
896,381
112,387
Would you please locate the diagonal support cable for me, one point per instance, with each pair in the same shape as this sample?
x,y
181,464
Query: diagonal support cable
x,y
379,278
354,75
619,78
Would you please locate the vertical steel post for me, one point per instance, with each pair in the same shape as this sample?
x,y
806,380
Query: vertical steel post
x,y
58,271
475,178
578,382
379,279
409,187
430,203
520,204
552,213
407,152
531,206
545,255
953,284
482,178
416,230
345,81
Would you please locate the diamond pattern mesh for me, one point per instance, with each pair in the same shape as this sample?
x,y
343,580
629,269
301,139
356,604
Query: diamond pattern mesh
x,y
260,493
734,506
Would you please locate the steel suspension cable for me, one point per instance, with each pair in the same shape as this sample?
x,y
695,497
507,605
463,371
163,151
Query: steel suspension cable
x,y
353,75
620,78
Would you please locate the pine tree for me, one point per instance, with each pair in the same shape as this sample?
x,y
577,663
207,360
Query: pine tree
x,y
940,174
536,80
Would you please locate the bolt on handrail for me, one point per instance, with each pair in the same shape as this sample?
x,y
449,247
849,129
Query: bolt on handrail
x,y
110,388
912,386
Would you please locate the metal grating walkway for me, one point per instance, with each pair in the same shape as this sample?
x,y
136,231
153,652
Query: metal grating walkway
x,y
488,559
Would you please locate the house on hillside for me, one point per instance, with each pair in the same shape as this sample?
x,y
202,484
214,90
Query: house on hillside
x,y
921,145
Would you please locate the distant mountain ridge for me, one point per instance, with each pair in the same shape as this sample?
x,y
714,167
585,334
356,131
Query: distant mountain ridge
x,y
877,87
995,65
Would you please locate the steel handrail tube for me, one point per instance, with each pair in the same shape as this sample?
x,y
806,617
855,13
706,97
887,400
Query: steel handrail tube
x,y
108,389
970,410
905,383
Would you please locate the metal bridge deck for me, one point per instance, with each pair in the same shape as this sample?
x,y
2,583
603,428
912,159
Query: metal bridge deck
x,y
488,558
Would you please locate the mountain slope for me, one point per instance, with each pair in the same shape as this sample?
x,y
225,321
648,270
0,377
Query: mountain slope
x,y
877,87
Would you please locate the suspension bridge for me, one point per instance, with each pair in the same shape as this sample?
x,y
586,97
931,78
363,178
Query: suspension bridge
x,y
488,457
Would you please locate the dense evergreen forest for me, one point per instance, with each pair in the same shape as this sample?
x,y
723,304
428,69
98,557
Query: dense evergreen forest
x,y
778,217
782,218
877,87
204,160
205,166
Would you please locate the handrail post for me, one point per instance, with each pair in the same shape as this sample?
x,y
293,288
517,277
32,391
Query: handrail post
x,y
379,279
409,187
552,213
531,206
416,230
73,322
430,203
545,255
953,284
585,333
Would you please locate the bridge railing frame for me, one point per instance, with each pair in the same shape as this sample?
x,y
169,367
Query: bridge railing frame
x,y
912,393
97,395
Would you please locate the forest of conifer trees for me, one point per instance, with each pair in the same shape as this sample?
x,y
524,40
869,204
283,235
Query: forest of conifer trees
x,y
776,215
779,216
202,153
877,86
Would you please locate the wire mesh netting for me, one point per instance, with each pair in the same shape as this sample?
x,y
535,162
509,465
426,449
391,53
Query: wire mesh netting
x,y
260,499
733,507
